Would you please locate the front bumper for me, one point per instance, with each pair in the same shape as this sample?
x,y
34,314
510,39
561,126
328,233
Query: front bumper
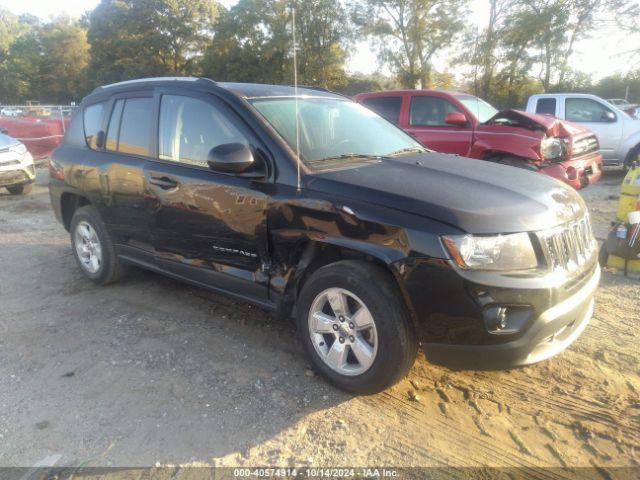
x,y
579,173
549,334
17,174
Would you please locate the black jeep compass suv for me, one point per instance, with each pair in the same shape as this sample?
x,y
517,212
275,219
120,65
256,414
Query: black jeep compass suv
x,y
313,206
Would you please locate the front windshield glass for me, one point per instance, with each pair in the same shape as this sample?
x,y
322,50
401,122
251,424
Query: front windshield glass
x,y
332,130
481,109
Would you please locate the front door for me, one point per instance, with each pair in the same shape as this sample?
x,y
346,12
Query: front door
x,y
600,119
207,226
426,123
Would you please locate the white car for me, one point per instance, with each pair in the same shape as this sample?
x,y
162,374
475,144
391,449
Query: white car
x,y
617,132
10,112
17,171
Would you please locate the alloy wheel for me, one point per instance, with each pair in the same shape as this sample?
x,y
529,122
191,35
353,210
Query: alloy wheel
x,y
88,247
343,331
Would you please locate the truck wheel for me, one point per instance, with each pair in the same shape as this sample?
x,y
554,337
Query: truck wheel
x,y
93,248
20,189
355,327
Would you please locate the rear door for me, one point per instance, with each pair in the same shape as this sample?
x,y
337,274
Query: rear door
x,y
115,166
205,225
426,122
600,119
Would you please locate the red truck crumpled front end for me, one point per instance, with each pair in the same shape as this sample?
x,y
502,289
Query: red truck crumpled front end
x,y
582,165
577,173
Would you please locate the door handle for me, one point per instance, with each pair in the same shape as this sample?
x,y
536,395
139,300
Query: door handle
x,y
164,183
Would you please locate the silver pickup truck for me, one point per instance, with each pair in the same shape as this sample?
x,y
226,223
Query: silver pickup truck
x,y
617,132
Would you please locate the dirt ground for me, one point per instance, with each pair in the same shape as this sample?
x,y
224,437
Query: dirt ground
x,y
151,371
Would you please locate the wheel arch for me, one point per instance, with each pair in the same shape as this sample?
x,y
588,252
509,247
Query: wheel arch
x,y
69,203
313,254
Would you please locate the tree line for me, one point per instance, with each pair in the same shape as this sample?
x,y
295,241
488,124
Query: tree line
x,y
526,46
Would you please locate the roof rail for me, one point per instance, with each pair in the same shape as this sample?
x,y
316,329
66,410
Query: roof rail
x,y
321,89
154,79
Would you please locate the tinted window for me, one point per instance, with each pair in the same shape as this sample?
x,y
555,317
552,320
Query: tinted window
x,y
585,110
430,111
135,126
190,128
92,123
75,132
546,105
387,107
114,126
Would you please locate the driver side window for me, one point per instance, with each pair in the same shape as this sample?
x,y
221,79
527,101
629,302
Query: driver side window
x,y
190,128
587,110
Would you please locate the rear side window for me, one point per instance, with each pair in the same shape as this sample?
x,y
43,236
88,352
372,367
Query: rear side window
x,y
135,126
546,106
386,107
92,122
430,111
190,128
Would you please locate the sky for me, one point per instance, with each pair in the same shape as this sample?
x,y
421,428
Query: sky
x,y
598,56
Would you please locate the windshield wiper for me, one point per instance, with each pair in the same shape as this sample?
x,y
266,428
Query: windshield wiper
x,y
347,156
402,151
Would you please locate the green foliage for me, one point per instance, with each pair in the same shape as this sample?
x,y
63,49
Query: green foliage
x,y
253,43
408,33
525,47
137,38
42,62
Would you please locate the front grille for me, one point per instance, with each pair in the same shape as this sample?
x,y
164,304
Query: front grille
x,y
569,246
9,178
585,146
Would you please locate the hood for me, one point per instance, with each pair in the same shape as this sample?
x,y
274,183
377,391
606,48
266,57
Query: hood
x,y
6,141
473,195
551,126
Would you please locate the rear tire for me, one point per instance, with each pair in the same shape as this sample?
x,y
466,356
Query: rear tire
x,y
382,334
21,189
93,247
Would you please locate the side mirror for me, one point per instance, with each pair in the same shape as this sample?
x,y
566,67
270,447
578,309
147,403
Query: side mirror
x,y
100,138
457,119
4,131
230,158
608,117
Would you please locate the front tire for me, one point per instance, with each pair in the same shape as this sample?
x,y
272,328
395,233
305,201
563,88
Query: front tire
x,y
93,247
355,328
20,189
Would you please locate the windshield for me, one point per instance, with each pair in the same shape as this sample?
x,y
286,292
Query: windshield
x,y
481,109
334,129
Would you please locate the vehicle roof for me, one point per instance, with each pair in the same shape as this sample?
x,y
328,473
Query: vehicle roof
x,y
383,93
243,90
559,95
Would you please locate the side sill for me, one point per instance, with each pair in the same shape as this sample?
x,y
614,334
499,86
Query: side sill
x,y
266,304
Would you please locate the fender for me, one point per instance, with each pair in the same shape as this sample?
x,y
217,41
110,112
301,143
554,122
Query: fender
x,y
486,146
316,232
628,145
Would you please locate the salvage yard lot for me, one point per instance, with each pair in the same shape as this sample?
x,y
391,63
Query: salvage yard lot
x,y
150,371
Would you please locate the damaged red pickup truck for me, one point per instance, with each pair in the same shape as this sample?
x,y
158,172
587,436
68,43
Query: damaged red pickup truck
x,y
465,125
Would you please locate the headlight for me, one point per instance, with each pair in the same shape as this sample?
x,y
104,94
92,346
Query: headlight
x,y
552,148
496,252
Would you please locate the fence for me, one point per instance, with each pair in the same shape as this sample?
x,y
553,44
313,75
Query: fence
x,y
39,127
